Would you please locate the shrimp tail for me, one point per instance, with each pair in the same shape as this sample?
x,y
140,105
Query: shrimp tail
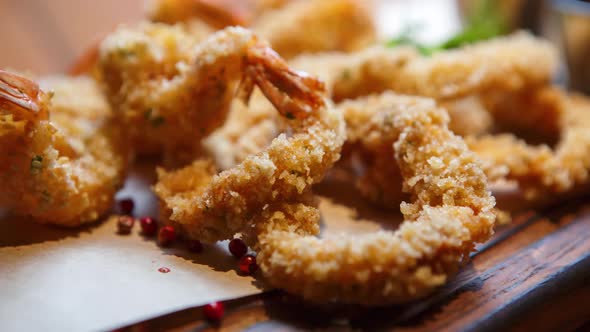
x,y
22,99
295,94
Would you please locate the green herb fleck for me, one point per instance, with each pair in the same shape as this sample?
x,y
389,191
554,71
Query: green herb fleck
x,y
290,116
36,164
346,74
484,22
45,196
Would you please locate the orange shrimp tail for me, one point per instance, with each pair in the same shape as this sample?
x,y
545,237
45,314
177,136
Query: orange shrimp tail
x,y
21,98
295,94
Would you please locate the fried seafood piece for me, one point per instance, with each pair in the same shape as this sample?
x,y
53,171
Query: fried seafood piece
x,y
63,158
541,169
216,13
318,26
508,63
87,62
171,91
454,78
451,209
292,27
247,131
215,207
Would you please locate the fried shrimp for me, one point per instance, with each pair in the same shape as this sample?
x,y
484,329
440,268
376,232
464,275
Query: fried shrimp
x,y
171,91
503,64
317,26
291,27
540,169
216,13
451,209
453,78
218,206
62,157
248,129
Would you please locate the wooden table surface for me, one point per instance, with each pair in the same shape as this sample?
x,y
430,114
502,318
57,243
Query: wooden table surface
x,y
534,275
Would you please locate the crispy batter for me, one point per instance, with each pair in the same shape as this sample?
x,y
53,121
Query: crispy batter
x,y
216,13
450,211
247,130
285,170
316,26
172,91
66,170
454,78
291,27
539,168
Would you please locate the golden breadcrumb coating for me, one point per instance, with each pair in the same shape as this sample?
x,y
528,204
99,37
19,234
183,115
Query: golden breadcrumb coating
x,y
378,69
456,78
171,91
216,13
292,27
63,158
285,170
539,168
451,209
247,130
317,26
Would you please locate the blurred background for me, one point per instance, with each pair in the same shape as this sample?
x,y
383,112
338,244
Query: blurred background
x,y
46,36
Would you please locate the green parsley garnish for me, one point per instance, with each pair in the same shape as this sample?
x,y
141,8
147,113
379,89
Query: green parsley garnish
x,y
484,22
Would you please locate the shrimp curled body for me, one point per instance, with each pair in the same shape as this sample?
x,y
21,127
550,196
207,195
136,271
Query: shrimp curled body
x,y
66,170
450,211
212,207
172,90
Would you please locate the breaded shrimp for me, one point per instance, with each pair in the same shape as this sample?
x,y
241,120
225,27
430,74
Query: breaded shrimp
x,y
540,169
218,206
171,91
466,75
318,26
216,13
63,158
291,26
451,209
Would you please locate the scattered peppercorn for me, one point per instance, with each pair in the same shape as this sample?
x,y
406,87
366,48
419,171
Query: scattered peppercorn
x,y
125,224
237,248
126,206
214,311
149,227
166,236
248,265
